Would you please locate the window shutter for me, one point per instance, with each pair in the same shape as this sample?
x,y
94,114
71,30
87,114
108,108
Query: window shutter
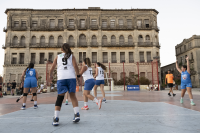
x,y
121,40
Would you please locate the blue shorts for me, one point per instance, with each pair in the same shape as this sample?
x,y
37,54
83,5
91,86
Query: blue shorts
x,y
30,83
99,82
89,84
8,89
66,85
183,85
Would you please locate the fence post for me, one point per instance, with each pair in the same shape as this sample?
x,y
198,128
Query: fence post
x,y
157,74
152,72
109,76
124,76
138,73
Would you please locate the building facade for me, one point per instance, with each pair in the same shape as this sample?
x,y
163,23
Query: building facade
x,y
190,47
104,35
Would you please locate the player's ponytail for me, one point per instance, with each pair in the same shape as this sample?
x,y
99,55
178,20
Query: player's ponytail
x,y
101,65
87,62
31,65
66,49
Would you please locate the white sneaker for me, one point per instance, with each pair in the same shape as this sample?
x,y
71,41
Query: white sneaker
x,y
99,103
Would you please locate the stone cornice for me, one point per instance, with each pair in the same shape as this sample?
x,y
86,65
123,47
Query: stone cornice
x,y
23,9
185,41
187,50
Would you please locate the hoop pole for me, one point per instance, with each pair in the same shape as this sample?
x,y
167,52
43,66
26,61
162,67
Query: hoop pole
x,y
138,73
124,76
152,72
109,76
81,78
157,74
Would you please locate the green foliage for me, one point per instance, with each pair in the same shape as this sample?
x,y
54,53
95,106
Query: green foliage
x,y
39,81
54,76
178,80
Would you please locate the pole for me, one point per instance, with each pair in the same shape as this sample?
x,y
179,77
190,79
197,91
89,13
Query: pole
x,y
124,76
46,73
81,78
152,72
109,76
157,74
138,73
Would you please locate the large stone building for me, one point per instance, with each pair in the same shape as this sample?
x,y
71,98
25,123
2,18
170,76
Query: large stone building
x,y
104,35
190,47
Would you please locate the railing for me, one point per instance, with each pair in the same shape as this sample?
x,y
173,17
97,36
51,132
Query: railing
x,y
157,57
21,62
33,62
114,61
94,44
41,62
3,46
142,61
94,61
82,44
118,45
145,44
71,44
71,27
13,62
149,61
47,28
104,27
122,61
131,61
4,29
82,27
94,27
19,45
105,61
18,28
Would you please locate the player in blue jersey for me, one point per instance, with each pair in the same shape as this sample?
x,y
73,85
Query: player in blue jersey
x,y
185,81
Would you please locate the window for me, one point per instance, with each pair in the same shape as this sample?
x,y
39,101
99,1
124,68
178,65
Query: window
x,y
122,57
104,40
192,56
21,58
71,23
142,74
52,23
131,74
121,22
130,40
112,23
71,40
140,38
147,38
51,40
23,23
34,24
33,58
82,39
16,23
42,41
22,43
131,59
129,23
121,40
105,57
60,23
185,47
113,40
185,58
114,76
148,56
180,50
104,23
60,41
33,41
15,40
94,57
139,23
146,23
122,75
114,57
141,56
157,54
94,40
82,23
82,56
50,57
94,22
14,58
41,58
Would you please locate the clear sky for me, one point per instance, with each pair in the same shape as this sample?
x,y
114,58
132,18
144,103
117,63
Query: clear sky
x,y
177,19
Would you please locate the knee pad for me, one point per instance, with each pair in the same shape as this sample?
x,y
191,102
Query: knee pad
x,y
25,94
59,100
34,94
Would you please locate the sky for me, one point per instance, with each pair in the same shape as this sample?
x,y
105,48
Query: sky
x,y
177,19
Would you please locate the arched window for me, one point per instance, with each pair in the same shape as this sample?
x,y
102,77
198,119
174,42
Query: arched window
x,y
33,41
94,40
60,41
147,38
15,40
51,40
22,43
42,41
104,40
130,40
82,39
71,40
121,40
113,39
140,38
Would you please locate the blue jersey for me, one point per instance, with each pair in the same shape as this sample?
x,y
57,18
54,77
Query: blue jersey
x,y
30,73
185,77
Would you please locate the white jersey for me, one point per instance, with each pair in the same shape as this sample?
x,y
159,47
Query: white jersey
x,y
88,74
100,75
65,69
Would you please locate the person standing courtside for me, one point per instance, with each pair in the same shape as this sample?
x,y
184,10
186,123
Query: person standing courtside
x,y
13,87
169,80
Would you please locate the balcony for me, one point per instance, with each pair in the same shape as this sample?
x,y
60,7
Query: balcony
x,y
21,62
94,44
191,60
149,61
145,44
3,47
19,45
157,44
13,62
47,28
114,61
157,57
142,61
94,61
18,28
71,27
126,44
82,27
41,62
94,27
105,61
124,27
122,61
105,27
131,61
82,44
4,29
71,44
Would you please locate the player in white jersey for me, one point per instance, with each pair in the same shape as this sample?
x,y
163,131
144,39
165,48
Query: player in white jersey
x,y
100,80
66,81
86,72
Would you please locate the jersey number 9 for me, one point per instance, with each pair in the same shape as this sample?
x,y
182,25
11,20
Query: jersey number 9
x,y
64,61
